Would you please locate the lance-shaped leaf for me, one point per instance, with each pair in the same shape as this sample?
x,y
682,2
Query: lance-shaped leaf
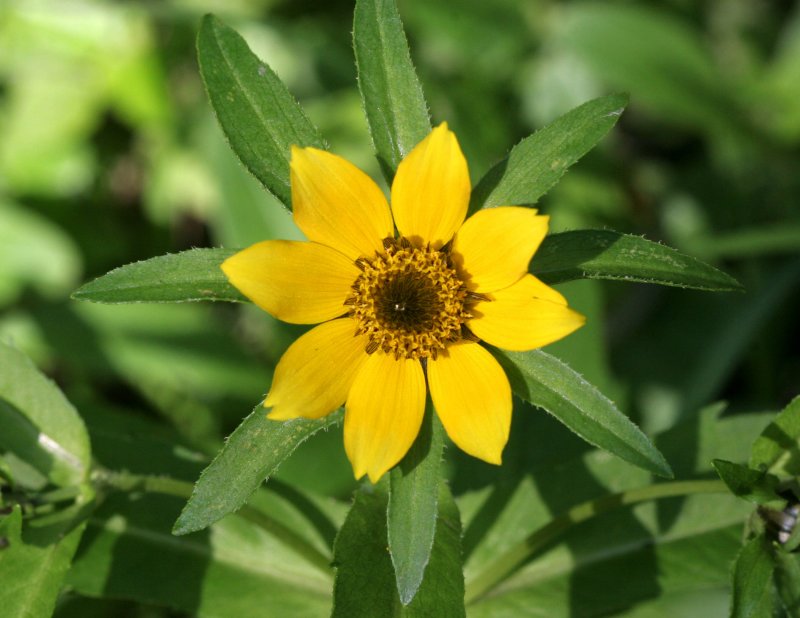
x,y
413,502
258,115
253,452
181,277
538,162
545,381
778,447
787,580
32,570
395,106
753,595
38,424
365,582
754,486
605,254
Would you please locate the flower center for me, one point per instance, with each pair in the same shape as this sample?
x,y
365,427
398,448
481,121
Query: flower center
x,y
409,301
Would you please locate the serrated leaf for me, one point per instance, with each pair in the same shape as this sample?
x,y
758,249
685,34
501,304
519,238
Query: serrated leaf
x,y
32,572
755,486
778,447
365,583
39,425
192,275
258,115
753,593
605,254
538,162
413,506
395,106
545,381
252,453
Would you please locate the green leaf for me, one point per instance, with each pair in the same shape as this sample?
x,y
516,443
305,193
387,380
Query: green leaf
x,y
538,162
234,568
753,593
787,580
395,106
365,582
258,115
413,503
187,276
252,454
754,486
669,557
545,381
31,571
605,254
777,449
39,425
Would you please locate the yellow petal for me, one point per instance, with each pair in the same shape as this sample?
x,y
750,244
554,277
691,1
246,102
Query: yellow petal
x,y
524,316
494,246
430,192
383,413
337,204
316,372
472,397
297,282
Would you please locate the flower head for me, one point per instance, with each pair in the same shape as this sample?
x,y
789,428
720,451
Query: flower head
x,y
399,309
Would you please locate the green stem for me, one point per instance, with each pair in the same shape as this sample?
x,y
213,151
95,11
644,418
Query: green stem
x,y
127,482
517,555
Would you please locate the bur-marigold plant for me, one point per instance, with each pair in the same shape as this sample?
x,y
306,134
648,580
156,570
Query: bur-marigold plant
x,y
402,295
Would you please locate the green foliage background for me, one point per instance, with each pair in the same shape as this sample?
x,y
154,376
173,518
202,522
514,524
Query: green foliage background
x,y
109,153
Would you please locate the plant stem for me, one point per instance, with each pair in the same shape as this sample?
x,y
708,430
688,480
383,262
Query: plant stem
x,y
127,482
517,555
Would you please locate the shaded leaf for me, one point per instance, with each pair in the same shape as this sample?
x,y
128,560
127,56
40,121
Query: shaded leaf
x,y
32,570
39,425
232,569
258,115
538,162
252,453
395,106
787,580
754,486
753,593
365,583
662,559
778,447
413,504
605,254
187,276
545,381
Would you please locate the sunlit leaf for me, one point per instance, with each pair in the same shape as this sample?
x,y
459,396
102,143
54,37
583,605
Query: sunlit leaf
x,y
258,115
192,275
38,424
545,381
537,163
393,100
252,453
413,506
605,254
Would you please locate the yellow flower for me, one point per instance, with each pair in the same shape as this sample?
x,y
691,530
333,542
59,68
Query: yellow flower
x,y
397,308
